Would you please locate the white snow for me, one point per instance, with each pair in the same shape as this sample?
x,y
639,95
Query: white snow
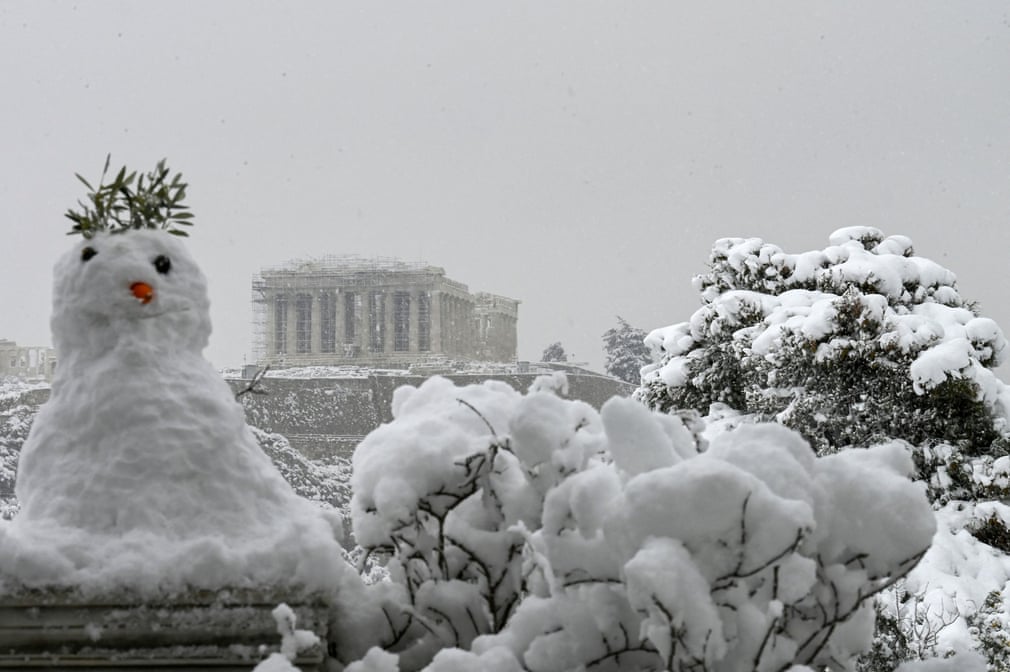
x,y
630,534
493,660
961,661
293,641
376,660
664,582
959,571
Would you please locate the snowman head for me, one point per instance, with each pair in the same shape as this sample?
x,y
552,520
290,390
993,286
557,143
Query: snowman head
x,y
141,286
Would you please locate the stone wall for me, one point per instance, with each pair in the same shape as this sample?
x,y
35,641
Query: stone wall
x,y
328,417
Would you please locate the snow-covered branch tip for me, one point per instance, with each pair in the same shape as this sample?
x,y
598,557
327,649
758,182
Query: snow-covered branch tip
x,y
479,415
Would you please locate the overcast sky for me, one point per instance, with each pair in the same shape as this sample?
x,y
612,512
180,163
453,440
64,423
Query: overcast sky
x,y
579,156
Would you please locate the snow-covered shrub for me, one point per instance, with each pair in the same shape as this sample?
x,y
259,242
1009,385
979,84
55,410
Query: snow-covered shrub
x,y
19,402
855,344
992,531
325,484
15,423
957,476
940,603
542,535
990,625
906,629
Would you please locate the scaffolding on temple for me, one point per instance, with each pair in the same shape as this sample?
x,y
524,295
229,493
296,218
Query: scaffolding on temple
x,y
337,310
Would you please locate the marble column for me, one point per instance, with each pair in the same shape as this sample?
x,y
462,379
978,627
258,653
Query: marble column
x,y
270,325
413,321
339,325
387,311
316,317
435,310
291,317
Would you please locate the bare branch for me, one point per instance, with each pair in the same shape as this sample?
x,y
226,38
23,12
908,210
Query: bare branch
x,y
479,415
445,618
252,386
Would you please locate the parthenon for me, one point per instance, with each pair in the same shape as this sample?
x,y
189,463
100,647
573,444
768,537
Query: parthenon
x,y
375,312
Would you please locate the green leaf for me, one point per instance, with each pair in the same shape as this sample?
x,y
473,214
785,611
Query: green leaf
x,y
86,183
131,201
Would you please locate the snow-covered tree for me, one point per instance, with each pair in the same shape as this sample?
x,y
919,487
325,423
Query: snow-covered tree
x,y
529,532
860,343
626,351
555,352
857,343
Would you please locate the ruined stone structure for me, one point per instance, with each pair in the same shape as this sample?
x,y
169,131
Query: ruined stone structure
x,y
375,312
28,362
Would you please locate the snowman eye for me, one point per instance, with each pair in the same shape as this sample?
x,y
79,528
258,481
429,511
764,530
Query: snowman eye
x,y
162,264
87,253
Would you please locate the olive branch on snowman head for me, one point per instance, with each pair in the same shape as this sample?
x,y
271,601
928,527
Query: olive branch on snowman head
x,y
151,201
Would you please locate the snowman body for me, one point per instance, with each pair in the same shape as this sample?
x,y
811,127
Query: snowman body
x,y
140,469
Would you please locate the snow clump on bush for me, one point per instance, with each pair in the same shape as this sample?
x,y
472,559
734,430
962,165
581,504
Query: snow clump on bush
x,y
533,532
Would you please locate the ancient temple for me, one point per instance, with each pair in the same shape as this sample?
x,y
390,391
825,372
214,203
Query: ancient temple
x,y
375,312
28,362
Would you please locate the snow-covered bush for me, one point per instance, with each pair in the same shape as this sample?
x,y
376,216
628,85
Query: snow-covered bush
x,y
19,402
851,345
906,629
326,484
955,476
990,625
960,581
15,423
529,532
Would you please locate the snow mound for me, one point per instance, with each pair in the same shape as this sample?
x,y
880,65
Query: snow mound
x,y
140,472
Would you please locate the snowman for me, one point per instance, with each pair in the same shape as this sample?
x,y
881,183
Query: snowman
x,y
140,471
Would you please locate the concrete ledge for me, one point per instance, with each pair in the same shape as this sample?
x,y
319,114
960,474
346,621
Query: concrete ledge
x,y
220,631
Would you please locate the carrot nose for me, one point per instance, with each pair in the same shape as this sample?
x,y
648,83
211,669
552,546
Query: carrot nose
x,y
143,291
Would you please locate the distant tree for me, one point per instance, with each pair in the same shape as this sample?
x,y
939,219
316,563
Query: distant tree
x,y
626,351
554,352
